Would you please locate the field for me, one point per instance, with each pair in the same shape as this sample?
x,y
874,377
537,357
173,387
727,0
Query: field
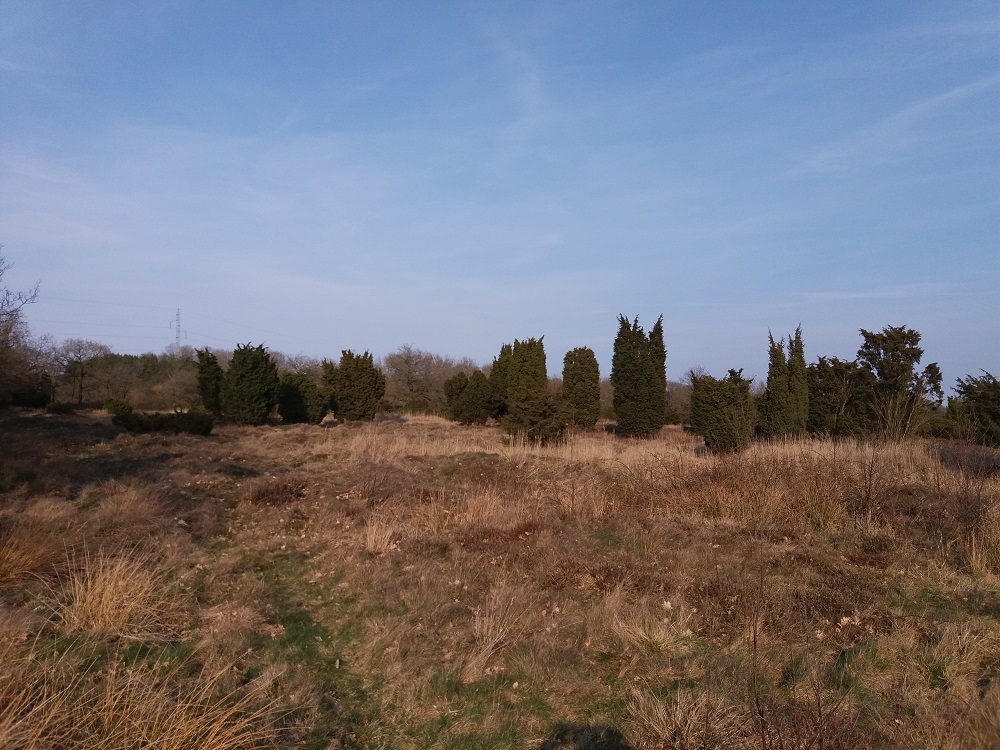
x,y
417,584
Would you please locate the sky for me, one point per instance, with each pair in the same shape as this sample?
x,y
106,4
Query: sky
x,y
320,176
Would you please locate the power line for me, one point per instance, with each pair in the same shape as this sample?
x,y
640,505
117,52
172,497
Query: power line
x,y
175,324
242,325
103,302
91,325
264,330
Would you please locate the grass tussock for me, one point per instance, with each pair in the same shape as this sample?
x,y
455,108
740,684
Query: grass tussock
x,y
271,490
127,597
27,548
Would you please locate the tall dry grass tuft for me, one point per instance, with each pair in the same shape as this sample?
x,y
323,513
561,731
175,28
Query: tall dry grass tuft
x,y
126,513
122,596
655,628
434,516
37,698
580,493
52,702
34,542
971,494
490,507
375,450
272,490
143,708
380,532
949,723
495,625
958,656
685,720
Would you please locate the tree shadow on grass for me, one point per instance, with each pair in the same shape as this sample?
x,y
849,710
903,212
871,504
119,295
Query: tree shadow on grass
x,y
579,737
52,454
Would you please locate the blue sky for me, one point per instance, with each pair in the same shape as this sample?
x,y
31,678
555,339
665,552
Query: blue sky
x,y
330,175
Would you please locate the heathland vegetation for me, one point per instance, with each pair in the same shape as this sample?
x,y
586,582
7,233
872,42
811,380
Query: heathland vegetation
x,y
485,557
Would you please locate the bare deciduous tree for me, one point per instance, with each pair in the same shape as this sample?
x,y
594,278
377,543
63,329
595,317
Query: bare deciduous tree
x,y
14,339
74,357
415,378
11,302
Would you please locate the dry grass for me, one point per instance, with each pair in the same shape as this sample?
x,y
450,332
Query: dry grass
x,y
141,708
123,596
49,704
495,624
271,490
27,548
685,720
380,533
36,699
479,590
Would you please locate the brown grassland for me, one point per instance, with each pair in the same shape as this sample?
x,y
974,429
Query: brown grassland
x,y
418,584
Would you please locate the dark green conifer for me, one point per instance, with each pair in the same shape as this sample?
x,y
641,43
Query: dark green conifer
x,y
300,399
839,398
722,411
250,386
454,387
774,404
581,388
638,374
980,398
478,401
798,385
471,400
328,384
903,397
498,377
210,377
658,379
530,412
358,386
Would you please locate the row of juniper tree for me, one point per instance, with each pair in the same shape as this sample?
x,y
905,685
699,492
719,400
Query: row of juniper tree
x,y
250,389
882,392
517,392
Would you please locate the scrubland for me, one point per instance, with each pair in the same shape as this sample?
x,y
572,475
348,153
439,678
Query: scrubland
x,y
417,584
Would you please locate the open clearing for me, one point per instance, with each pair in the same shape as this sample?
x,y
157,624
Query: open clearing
x,y
417,584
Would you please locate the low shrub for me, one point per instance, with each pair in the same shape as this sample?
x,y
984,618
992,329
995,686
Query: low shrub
x,y
60,407
191,422
33,392
115,406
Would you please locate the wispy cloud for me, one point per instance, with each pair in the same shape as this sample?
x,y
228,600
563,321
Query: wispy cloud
x,y
902,291
895,136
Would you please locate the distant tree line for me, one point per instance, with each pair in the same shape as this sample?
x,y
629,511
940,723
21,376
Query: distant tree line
x,y
882,392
